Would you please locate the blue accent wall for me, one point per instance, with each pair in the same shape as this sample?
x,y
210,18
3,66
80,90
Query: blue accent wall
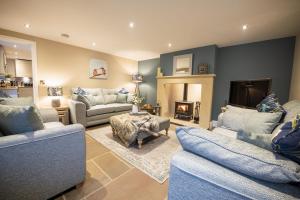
x,y
266,59
148,69
201,55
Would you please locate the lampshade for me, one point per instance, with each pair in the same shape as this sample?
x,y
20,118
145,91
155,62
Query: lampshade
x,y
137,78
55,91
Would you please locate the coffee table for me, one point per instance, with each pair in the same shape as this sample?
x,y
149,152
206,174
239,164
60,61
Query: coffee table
x,y
123,127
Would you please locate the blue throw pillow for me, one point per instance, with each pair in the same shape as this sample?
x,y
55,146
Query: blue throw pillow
x,y
287,142
124,91
270,104
80,91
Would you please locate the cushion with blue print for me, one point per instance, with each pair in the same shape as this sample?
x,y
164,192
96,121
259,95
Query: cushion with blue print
x,y
287,141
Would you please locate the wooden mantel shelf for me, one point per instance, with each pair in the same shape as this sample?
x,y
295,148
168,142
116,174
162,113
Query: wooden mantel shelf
x,y
190,76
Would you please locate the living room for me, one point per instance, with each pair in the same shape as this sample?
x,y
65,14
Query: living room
x,y
140,100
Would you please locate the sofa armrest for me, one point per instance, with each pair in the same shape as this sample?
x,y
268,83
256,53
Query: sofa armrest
x,y
41,164
77,112
49,115
193,176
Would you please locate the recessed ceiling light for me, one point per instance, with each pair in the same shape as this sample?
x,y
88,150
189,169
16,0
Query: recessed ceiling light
x,y
131,24
94,44
245,27
15,46
27,25
65,35
169,45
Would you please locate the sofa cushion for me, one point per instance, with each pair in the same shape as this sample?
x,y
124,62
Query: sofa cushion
x,y
239,156
100,109
50,125
21,101
121,98
95,100
19,119
110,98
110,91
118,107
93,91
83,99
108,108
292,108
287,142
270,104
250,121
79,91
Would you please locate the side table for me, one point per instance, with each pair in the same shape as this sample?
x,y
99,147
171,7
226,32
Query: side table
x,y
63,114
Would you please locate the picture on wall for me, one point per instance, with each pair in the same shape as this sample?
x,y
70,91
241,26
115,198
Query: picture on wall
x,y
182,65
98,69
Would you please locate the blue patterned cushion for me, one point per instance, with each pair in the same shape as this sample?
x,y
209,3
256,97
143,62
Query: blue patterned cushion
x,y
80,91
123,91
270,104
287,141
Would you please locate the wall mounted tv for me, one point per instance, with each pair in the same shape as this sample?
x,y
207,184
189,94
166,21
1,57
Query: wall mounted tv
x,y
249,93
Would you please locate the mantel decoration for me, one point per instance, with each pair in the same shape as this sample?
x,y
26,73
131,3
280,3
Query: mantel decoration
x,y
182,65
55,92
203,69
98,69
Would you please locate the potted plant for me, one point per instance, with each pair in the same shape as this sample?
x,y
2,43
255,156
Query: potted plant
x,y
136,100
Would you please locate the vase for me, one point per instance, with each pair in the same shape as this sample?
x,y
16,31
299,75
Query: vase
x,y
135,108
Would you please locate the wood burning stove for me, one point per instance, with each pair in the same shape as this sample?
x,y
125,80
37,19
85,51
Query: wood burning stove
x,y
184,109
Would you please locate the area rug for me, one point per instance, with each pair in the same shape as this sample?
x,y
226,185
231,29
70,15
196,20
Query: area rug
x,y
153,158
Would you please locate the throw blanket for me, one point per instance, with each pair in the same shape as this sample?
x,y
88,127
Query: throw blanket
x,y
128,127
147,123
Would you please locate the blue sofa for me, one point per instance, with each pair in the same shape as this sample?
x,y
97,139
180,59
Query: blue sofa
x,y
43,163
196,177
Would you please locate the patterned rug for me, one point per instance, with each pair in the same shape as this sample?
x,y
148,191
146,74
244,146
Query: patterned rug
x,y
153,158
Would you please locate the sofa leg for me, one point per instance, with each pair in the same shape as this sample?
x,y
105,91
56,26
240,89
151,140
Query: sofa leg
x,y
140,142
79,185
167,130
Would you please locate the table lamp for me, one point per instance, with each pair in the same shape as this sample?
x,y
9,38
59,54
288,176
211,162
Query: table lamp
x,y
55,92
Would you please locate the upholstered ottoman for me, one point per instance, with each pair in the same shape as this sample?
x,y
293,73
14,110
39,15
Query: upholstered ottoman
x,y
126,127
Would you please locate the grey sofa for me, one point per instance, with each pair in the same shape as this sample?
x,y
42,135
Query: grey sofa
x,y
41,164
195,177
99,112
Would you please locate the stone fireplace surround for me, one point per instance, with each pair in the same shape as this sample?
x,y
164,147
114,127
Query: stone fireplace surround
x,y
207,82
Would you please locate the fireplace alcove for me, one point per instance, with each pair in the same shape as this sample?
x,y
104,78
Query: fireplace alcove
x,y
163,94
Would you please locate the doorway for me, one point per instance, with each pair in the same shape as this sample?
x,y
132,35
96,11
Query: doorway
x,y
18,68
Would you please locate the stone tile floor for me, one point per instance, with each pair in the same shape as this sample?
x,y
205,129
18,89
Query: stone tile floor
x,y
110,177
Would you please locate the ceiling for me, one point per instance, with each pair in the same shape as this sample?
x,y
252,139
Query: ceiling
x,y
15,50
183,23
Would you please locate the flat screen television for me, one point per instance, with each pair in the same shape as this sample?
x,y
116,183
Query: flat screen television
x,y
249,93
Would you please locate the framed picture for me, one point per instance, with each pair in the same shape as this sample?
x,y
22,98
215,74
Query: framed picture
x,y
98,69
182,65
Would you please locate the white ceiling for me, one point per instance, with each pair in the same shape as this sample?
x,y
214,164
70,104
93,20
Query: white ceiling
x,y
184,23
17,50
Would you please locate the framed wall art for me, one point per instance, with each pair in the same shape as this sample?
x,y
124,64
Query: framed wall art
x,y
98,69
182,65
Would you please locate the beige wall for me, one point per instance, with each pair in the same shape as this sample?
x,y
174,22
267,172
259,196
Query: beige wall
x,y
295,83
68,66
